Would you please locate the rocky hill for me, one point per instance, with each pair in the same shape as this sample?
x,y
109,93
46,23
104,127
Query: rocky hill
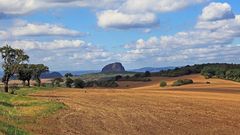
x,y
114,67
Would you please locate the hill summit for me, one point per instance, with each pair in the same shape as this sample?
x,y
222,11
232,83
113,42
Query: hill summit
x,y
113,67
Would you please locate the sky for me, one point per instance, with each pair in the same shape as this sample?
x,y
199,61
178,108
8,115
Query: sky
x,y
88,34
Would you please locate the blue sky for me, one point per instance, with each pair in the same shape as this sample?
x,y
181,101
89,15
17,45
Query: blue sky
x,y
83,35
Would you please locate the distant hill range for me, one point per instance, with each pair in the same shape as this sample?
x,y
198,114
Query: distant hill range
x,y
151,69
78,73
57,74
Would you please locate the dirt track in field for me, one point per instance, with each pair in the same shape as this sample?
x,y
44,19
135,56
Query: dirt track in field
x,y
199,108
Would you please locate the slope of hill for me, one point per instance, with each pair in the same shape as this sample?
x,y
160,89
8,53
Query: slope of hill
x,y
151,69
80,72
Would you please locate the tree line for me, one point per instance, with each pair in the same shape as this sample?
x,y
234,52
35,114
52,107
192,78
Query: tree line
x,y
229,72
15,63
210,70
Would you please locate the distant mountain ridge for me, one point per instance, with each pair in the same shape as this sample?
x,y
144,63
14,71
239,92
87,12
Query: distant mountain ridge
x,y
56,74
77,73
152,69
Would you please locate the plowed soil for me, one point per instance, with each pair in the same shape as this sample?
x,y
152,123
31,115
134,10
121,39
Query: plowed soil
x,y
147,109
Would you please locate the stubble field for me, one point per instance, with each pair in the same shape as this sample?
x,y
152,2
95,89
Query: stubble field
x,y
146,109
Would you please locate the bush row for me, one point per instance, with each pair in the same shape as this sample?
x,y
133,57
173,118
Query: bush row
x,y
138,77
179,82
79,83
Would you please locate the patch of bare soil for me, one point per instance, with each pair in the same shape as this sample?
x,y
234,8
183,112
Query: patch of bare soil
x,y
199,108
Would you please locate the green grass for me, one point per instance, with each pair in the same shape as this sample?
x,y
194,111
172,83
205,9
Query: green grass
x,y
26,91
20,109
11,130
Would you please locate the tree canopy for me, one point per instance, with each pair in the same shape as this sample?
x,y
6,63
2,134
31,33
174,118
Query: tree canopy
x,y
12,58
38,69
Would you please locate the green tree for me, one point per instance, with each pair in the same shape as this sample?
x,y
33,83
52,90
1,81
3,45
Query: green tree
x,y
68,75
38,69
25,73
69,82
57,82
12,58
79,83
147,74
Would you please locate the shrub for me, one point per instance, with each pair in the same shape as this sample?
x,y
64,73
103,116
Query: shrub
x,y
69,82
178,83
163,84
207,77
182,82
47,85
78,83
13,88
208,82
188,81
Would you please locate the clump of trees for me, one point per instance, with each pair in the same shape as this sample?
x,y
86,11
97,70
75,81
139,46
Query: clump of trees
x,y
79,83
15,64
143,77
57,82
68,82
38,70
25,73
229,72
106,83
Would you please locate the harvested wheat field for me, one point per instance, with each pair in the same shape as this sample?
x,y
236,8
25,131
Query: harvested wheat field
x,y
198,108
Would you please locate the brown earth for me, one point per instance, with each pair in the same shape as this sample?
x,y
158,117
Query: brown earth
x,y
146,109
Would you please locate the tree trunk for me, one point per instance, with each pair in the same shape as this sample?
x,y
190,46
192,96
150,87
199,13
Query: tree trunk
x,y
28,83
6,86
39,82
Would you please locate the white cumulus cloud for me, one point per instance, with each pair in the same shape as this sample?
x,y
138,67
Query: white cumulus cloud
x,y
137,6
209,41
46,29
116,19
217,11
